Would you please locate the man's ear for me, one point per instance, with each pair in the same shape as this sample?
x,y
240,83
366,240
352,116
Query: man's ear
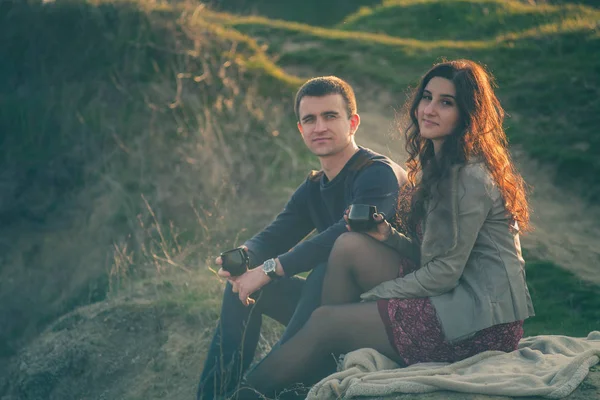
x,y
354,123
300,127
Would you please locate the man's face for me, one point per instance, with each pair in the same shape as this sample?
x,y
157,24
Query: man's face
x,y
324,124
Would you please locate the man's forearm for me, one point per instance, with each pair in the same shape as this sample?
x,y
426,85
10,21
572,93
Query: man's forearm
x,y
311,252
279,268
288,228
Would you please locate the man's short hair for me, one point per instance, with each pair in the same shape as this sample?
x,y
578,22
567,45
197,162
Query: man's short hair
x,y
326,85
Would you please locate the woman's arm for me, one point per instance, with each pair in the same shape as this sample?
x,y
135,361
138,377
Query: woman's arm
x,y
441,272
403,245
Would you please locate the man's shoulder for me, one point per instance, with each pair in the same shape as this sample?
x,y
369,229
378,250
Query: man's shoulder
x,y
369,162
314,176
363,159
366,157
379,162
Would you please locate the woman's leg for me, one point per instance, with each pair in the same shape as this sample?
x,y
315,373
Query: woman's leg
x,y
356,264
311,354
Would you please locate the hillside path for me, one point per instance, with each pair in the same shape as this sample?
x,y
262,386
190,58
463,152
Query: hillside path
x,y
566,228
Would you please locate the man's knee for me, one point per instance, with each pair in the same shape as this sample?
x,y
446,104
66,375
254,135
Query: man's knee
x,y
228,293
231,305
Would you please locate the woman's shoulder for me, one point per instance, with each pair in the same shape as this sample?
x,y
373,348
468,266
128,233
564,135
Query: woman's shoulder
x,y
475,175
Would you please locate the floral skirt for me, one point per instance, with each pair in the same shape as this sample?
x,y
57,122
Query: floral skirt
x,y
416,333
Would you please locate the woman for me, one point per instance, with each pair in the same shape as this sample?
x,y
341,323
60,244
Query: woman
x,y
449,282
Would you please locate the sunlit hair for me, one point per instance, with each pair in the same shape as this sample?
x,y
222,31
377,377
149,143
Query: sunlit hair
x,y
326,85
478,135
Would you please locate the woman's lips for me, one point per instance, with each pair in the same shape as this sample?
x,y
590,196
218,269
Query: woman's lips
x,y
428,123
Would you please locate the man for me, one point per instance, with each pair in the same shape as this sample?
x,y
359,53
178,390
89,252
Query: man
x,y
328,120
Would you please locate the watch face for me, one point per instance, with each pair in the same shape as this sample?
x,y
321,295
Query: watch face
x,y
269,268
269,265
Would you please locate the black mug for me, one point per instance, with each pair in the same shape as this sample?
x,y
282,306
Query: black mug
x,y
235,261
360,217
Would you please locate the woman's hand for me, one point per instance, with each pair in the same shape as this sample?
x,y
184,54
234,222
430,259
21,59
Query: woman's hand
x,y
383,228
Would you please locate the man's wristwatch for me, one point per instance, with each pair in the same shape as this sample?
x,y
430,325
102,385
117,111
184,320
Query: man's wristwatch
x,y
269,267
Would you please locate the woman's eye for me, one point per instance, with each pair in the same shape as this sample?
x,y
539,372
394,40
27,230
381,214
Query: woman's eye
x,y
426,97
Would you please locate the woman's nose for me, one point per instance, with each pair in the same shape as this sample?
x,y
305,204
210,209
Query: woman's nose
x,y
430,108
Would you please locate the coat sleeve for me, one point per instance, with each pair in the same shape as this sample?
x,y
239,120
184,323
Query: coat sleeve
x,y
403,245
442,271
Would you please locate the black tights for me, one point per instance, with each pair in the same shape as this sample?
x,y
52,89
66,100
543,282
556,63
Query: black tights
x,y
342,324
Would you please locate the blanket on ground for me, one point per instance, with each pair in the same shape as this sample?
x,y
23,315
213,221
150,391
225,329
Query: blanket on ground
x,y
550,366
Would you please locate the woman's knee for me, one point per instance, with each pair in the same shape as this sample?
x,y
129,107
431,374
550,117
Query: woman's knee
x,y
346,246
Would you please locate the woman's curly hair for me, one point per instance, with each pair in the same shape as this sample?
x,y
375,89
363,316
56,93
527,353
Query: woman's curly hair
x,y
479,135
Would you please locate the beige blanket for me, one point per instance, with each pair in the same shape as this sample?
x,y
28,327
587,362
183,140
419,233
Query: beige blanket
x,y
548,366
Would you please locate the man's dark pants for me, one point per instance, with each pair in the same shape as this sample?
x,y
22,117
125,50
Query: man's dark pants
x,y
290,301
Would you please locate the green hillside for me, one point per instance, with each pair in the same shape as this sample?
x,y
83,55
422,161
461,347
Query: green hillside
x,y
321,13
458,20
141,138
116,121
540,55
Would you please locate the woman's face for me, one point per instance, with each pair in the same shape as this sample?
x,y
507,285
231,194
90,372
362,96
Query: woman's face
x,y
437,113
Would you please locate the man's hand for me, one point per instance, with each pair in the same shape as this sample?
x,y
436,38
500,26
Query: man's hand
x,y
233,279
224,274
383,229
248,283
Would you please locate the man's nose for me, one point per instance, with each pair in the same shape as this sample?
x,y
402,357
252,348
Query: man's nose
x,y
320,126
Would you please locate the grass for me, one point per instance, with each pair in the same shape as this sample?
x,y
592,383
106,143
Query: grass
x,y
141,138
564,304
434,20
110,116
540,55
325,13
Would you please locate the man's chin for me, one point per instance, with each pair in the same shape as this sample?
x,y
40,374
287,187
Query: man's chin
x,y
321,152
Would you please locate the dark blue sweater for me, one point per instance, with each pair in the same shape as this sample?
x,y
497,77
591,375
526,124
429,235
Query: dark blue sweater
x,y
367,178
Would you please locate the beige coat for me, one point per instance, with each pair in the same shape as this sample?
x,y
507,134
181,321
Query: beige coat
x,y
470,258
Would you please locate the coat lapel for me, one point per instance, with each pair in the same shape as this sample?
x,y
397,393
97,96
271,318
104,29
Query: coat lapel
x,y
440,233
